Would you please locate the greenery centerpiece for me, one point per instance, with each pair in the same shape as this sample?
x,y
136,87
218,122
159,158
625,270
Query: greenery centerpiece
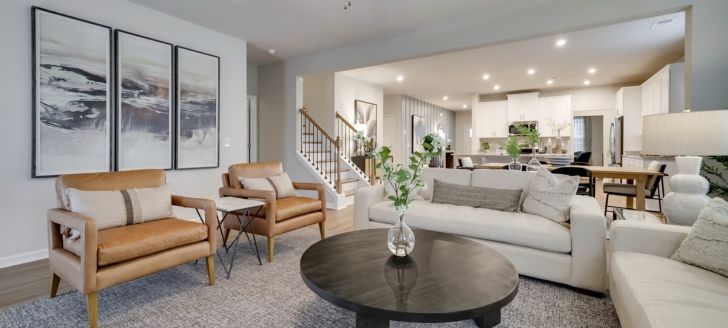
x,y
485,146
402,182
513,149
533,137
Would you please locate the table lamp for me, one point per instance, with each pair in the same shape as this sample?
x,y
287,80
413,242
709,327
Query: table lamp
x,y
688,136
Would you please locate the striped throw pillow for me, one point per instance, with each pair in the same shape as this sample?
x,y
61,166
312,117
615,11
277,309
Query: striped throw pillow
x,y
505,200
121,207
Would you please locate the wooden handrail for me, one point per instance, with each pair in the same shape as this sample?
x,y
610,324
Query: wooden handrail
x,y
343,119
304,111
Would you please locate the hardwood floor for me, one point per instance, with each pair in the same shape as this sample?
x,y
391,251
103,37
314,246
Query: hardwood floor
x,y
31,281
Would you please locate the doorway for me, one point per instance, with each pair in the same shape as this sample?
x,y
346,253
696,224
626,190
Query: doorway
x,y
252,129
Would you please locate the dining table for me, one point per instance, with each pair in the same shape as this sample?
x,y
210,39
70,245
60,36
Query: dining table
x,y
633,175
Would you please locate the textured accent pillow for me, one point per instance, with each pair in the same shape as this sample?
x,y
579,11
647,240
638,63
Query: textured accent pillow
x,y
707,243
283,186
121,207
466,162
495,199
550,195
257,184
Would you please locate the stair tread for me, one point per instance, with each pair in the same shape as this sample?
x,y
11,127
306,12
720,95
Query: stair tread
x,y
349,192
349,180
334,171
312,142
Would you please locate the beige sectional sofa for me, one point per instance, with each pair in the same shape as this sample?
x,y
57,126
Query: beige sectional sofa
x,y
570,254
649,289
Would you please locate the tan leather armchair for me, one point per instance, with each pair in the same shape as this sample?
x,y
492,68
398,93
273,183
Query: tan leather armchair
x,y
279,215
104,258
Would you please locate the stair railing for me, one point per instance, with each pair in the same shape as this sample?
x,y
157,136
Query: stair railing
x,y
347,132
320,149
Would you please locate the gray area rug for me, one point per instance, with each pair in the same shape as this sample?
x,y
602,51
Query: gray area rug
x,y
273,295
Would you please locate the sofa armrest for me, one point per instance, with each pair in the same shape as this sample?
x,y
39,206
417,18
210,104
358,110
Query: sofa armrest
x,y
644,237
364,198
208,205
588,244
313,186
88,256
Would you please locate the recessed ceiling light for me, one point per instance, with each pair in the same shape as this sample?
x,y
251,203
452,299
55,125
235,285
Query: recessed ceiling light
x,y
440,114
591,70
400,78
549,81
444,98
531,71
272,51
486,77
560,42
496,87
587,82
465,106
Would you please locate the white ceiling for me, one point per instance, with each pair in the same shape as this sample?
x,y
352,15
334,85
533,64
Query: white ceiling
x,y
299,27
622,53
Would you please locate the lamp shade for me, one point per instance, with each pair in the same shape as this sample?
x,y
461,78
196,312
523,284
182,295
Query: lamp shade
x,y
703,133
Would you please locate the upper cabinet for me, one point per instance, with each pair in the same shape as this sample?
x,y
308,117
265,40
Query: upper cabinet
x,y
664,92
553,111
490,120
523,107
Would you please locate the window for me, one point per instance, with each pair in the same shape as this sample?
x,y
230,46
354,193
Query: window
x,y
582,134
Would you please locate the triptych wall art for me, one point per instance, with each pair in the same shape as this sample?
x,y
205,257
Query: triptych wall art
x,y
132,103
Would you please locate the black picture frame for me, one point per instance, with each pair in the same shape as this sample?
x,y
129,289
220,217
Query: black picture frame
x,y
179,108
119,98
75,117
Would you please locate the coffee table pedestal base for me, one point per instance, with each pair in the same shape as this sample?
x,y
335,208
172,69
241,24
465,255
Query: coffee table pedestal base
x,y
488,320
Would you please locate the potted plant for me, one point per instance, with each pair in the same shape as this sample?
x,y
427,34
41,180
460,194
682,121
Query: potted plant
x,y
533,137
513,149
485,146
404,181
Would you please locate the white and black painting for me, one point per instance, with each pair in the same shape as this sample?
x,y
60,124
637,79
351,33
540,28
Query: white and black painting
x,y
144,95
72,108
419,131
198,104
366,113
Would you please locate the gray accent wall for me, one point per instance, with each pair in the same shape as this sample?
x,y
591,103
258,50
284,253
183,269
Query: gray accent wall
x,y
431,113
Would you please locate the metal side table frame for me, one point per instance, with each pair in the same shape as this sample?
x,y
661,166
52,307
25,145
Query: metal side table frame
x,y
227,206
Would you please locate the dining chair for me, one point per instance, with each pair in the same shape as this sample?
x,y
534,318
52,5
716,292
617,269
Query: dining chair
x,y
654,188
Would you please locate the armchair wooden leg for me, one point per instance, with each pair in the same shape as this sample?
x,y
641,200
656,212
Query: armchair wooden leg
x,y
211,269
322,230
271,247
56,280
92,302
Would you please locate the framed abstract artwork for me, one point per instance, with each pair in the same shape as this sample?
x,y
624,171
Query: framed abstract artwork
x,y
419,131
144,102
366,113
72,107
197,88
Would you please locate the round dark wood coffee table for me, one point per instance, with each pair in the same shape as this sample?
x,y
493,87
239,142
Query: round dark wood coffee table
x,y
446,278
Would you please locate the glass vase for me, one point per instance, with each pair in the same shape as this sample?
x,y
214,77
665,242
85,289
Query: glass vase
x,y
514,165
400,238
534,164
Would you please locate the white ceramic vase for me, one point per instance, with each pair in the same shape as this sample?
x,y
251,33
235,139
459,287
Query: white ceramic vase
x,y
689,189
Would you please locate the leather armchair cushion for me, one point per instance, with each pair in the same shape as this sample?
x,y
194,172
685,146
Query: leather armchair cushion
x,y
129,242
287,208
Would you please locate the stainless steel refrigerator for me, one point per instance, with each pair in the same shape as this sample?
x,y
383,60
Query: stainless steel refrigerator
x,y
616,136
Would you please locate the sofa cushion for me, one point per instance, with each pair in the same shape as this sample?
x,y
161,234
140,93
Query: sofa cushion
x,y
520,229
501,179
492,198
653,291
461,177
289,207
129,242
707,243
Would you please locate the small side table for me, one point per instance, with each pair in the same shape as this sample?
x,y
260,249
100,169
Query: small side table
x,y
635,215
240,208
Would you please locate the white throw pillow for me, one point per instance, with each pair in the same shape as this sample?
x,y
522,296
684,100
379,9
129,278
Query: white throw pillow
x,y
121,207
283,186
466,162
707,243
257,184
550,196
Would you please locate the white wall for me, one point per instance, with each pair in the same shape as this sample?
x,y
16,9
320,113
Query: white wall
x,y
347,89
393,107
318,98
278,81
24,201
252,78
463,124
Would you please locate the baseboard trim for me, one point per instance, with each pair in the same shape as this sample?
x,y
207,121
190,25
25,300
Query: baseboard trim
x,y
21,258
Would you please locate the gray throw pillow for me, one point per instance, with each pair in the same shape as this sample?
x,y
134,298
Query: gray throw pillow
x,y
707,243
550,195
495,199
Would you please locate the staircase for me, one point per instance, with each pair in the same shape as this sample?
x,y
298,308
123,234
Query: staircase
x,y
329,158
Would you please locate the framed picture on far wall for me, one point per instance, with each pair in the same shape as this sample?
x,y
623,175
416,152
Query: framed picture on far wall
x,y
71,95
198,109
366,113
144,115
419,131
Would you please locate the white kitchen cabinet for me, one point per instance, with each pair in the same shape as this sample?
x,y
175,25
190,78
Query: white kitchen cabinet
x,y
664,92
489,120
554,110
523,107
629,106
